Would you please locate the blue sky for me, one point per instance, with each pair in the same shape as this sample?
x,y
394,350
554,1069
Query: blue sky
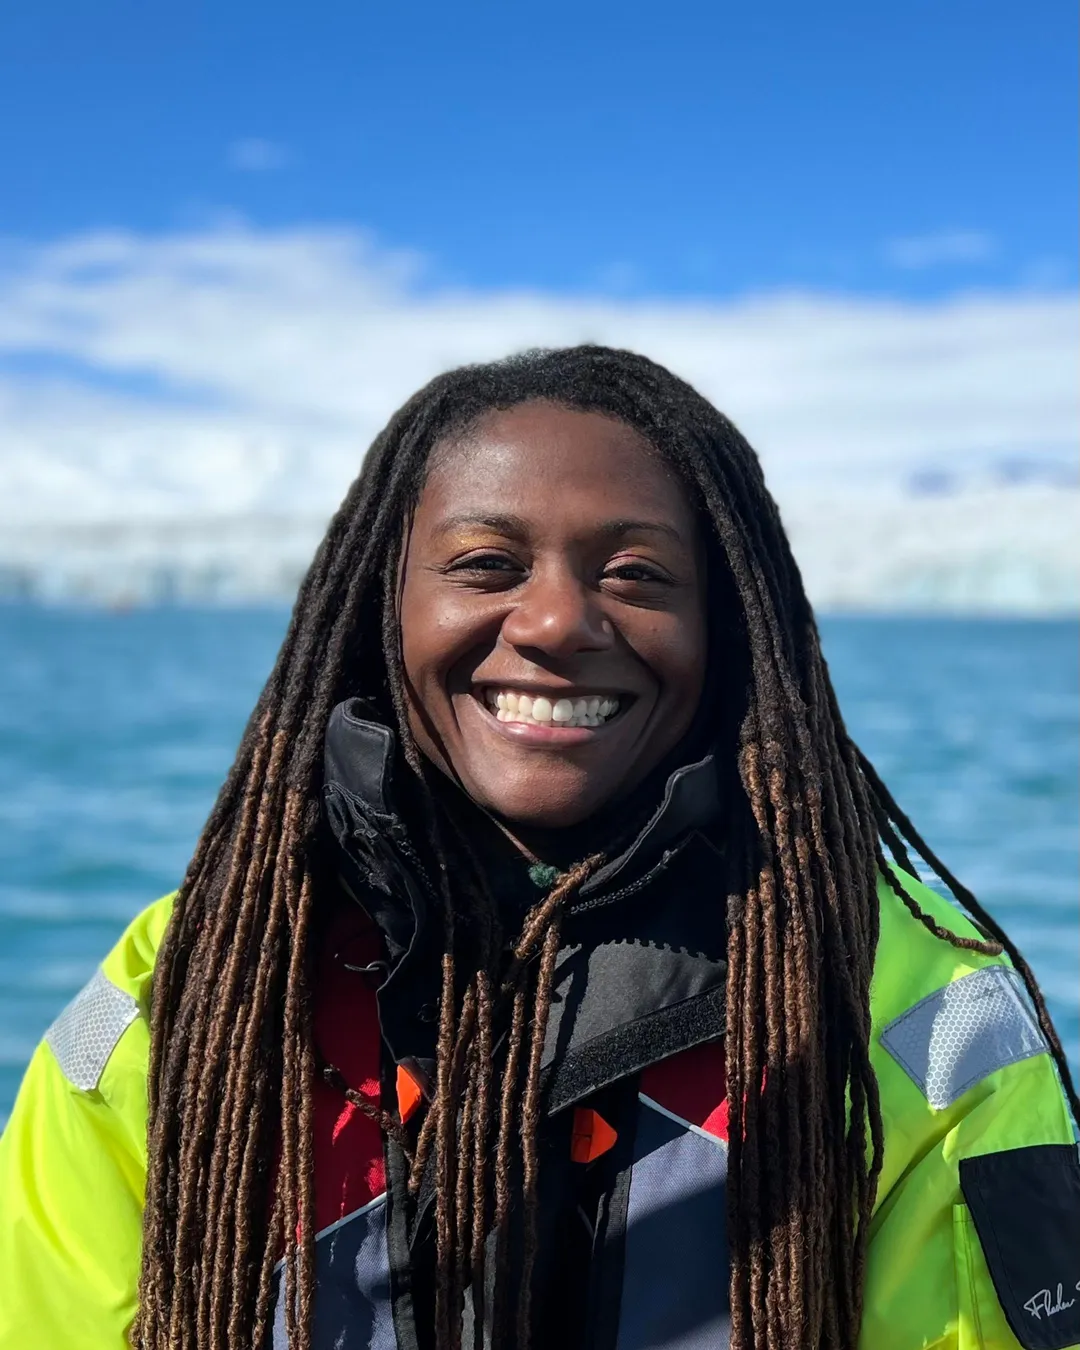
x,y
690,149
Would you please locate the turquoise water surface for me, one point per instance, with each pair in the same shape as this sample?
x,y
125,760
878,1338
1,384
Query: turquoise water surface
x,y
116,729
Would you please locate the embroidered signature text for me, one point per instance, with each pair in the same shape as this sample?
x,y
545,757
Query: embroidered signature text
x,y
1043,1304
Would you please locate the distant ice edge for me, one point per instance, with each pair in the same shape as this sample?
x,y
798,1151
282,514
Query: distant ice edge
x,y
994,550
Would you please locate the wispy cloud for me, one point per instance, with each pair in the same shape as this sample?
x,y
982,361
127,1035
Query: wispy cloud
x,y
245,370
940,248
253,154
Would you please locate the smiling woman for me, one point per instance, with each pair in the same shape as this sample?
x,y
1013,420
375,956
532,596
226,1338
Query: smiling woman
x,y
553,969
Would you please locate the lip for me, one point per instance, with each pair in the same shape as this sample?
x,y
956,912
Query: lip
x,y
548,735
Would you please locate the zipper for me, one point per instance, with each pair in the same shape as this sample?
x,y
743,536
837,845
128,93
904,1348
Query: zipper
x,y
632,888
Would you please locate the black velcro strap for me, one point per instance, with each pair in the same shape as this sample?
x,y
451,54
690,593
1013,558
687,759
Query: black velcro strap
x,y
1026,1207
629,1048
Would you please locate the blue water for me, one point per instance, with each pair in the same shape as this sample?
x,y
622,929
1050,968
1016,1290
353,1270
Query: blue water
x,y
115,730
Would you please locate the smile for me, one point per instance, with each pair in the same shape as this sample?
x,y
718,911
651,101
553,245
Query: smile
x,y
587,710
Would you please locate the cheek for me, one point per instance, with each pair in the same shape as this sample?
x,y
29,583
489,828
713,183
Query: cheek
x,y
437,631
423,643
424,629
676,652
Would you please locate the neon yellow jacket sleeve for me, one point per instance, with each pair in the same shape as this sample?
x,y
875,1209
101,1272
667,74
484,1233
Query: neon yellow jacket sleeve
x,y
73,1164
927,1284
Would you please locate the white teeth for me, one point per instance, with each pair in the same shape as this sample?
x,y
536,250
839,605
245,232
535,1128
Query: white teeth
x,y
592,711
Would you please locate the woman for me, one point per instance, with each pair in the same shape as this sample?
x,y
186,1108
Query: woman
x,y
552,970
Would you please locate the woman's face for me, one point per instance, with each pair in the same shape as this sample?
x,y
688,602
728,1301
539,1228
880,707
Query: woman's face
x,y
552,613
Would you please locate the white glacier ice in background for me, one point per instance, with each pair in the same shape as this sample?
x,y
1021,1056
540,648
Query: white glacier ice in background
x,y
989,549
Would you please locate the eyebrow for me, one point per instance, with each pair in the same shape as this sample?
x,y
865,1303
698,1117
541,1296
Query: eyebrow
x,y
515,527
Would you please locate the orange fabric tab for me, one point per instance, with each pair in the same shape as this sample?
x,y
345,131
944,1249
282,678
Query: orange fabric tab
x,y
592,1136
409,1095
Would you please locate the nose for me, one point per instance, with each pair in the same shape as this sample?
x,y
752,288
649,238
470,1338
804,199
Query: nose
x,y
559,615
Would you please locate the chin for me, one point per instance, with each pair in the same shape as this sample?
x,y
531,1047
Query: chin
x,y
557,818
539,812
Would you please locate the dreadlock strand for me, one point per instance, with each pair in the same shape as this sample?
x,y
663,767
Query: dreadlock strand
x,y
530,1124
218,1203
277,1235
481,1136
250,1115
503,1157
446,1315
741,1317
297,1079
463,1199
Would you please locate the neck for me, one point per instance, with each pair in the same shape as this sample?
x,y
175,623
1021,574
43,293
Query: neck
x,y
519,846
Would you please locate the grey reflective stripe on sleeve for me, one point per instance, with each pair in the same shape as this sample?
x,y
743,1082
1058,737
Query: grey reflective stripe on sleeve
x,y
86,1033
952,1039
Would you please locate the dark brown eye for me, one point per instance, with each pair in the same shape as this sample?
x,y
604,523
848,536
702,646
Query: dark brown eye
x,y
638,572
489,564
486,564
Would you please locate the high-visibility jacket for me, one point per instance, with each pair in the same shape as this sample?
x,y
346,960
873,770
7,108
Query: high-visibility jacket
x,y
964,1080
975,1237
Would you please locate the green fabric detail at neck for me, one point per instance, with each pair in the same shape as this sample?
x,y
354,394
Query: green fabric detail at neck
x,y
543,875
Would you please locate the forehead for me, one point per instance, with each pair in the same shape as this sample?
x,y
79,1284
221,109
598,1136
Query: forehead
x,y
548,461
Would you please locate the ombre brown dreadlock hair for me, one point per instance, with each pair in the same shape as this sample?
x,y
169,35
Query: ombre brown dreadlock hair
x,y
230,1184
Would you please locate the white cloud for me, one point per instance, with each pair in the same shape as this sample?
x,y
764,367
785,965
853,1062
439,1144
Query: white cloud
x,y
253,154
237,371
920,251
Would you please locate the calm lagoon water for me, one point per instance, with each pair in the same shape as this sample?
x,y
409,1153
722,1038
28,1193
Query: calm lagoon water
x,y
116,729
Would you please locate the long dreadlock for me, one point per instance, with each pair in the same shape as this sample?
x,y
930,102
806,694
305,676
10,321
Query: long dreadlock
x,y
230,1180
